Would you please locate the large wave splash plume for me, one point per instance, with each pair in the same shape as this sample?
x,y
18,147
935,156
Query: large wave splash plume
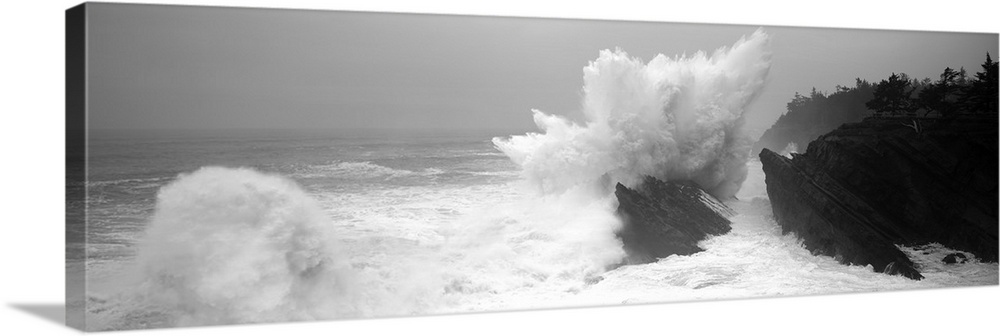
x,y
237,246
673,118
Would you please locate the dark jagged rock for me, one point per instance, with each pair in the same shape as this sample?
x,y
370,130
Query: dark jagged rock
x,y
863,188
665,218
829,219
955,258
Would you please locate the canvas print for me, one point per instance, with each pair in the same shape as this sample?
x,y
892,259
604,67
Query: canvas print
x,y
244,165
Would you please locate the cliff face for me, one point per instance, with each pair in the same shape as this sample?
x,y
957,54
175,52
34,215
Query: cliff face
x,y
665,218
865,187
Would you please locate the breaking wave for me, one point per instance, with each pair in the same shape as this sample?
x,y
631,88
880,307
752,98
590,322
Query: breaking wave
x,y
672,118
237,246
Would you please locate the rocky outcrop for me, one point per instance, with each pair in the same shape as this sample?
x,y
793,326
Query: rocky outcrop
x,y
664,218
863,188
954,258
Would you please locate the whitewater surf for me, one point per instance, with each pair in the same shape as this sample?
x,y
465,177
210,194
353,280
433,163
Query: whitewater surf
x,y
330,226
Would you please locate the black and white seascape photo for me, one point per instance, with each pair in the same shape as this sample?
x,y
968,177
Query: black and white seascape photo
x,y
244,165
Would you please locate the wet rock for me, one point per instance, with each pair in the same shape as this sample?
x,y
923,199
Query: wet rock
x,y
864,188
953,258
828,218
665,218
903,270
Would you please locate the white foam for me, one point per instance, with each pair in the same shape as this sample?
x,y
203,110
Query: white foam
x,y
225,245
673,118
236,246
753,260
789,149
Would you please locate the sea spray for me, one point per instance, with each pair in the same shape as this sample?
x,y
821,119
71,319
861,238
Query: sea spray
x,y
236,246
436,248
539,245
673,118
790,149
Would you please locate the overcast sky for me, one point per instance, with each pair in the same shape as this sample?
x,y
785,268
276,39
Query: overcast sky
x,y
177,67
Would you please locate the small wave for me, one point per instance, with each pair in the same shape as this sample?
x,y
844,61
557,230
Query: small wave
x,y
359,170
153,181
495,154
508,173
432,171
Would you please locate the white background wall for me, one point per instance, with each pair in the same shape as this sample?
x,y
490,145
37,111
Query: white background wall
x,y
31,185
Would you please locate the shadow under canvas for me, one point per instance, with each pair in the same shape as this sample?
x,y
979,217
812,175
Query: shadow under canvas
x,y
53,312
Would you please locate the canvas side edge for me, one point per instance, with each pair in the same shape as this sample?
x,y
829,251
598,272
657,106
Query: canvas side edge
x,y
76,154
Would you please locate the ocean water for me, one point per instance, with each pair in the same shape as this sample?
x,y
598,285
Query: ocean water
x,y
421,224
204,228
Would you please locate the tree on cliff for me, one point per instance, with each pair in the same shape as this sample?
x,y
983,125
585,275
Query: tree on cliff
x,y
945,95
980,96
892,96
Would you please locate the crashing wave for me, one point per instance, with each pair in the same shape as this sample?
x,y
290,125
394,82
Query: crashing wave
x,y
672,118
236,246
